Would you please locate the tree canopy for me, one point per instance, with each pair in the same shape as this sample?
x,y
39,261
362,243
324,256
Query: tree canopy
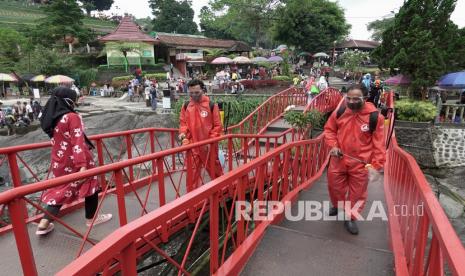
x,y
12,46
246,20
63,19
310,25
423,43
378,27
172,16
96,5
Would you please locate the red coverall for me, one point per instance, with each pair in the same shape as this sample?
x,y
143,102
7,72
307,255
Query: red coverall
x,y
348,178
198,123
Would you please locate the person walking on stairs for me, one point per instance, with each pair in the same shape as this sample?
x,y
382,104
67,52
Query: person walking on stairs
x,y
355,134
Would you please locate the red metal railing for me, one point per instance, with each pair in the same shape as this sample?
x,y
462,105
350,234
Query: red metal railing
x,y
110,148
269,111
278,175
422,239
158,172
326,101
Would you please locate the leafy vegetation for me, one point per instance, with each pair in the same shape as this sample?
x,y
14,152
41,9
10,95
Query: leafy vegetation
x,y
282,78
310,25
379,26
303,123
415,111
235,109
423,45
158,76
173,16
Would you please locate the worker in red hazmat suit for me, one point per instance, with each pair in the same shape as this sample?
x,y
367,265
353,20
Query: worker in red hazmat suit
x,y
200,120
355,134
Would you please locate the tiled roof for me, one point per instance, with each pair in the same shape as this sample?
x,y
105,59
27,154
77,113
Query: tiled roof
x,y
127,30
352,43
179,40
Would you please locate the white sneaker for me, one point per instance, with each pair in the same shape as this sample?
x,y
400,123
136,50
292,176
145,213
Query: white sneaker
x,y
41,232
101,219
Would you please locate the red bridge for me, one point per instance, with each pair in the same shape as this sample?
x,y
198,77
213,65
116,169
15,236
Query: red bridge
x,y
166,224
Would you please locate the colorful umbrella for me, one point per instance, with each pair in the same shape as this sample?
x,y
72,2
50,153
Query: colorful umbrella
x,y
453,80
321,54
242,60
275,59
4,78
7,77
59,79
398,80
222,60
38,78
259,59
304,54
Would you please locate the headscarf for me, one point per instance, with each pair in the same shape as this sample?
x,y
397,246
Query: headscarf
x,y
61,102
367,81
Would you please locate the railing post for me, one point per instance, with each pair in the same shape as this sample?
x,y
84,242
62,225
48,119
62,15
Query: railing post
x,y
173,157
189,171
129,152
230,153
128,260
214,224
101,162
152,150
461,114
15,176
120,197
23,243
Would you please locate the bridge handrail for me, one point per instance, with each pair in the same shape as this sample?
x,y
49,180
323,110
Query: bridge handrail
x,y
325,101
123,240
157,169
14,149
268,110
19,192
405,184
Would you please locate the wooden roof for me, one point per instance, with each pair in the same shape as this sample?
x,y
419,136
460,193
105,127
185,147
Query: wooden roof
x,y
358,44
197,41
127,30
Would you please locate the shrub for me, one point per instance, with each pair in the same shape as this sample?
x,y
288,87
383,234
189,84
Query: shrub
x,y
87,76
120,81
282,78
158,76
415,111
303,122
235,109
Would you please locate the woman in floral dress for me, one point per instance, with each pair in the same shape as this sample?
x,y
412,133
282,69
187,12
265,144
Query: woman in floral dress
x,y
70,154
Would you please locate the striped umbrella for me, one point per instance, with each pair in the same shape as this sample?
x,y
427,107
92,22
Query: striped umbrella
x,y
38,78
59,79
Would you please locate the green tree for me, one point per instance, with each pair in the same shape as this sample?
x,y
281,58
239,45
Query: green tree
x,y
96,5
311,25
423,43
246,20
46,61
12,48
63,22
378,27
172,16
351,60
209,28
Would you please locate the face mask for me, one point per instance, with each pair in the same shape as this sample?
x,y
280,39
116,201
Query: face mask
x,y
355,106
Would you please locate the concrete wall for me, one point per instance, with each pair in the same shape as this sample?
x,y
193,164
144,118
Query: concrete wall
x,y
433,146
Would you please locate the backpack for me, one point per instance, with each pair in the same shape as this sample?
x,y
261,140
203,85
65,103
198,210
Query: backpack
x,y
373,122
212,105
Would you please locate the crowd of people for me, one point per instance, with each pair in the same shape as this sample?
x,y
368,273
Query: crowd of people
x,y
21,114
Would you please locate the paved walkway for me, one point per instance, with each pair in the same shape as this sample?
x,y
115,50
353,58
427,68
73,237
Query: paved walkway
x,y
324,247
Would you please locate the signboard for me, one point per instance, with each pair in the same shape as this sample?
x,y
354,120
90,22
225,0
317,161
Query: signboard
x,y
147,53
36,93
166,102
